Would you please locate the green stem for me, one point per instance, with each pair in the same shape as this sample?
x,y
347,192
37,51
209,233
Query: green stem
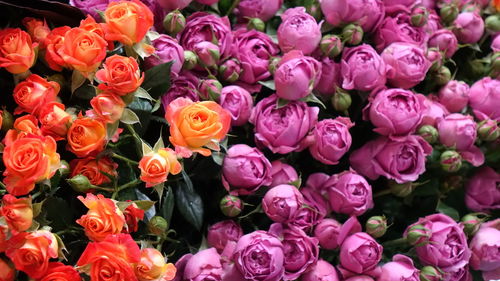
x,y
233,6
382,193
256,210
125,186
125,159
2,185
137,138
396,243
103,188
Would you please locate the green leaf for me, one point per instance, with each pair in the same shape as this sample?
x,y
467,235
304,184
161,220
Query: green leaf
x,y
37,208
157,79
281,103
77,80
150,212
141,204
224,6
141,93
111,129
159,144
143,109
314,99
447,210
268,84
218,157
189,204
146,149
86,92
168,204
58,212
159,189
129,117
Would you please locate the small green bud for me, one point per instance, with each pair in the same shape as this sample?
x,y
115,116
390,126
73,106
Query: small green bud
x,y
231,206
7,120
80,183
376,226
418,234
352,34
451,161
429,133
157,225
492,23
190,60
257,24
488,130
430,273
449,13
401,189
174,22
331,45
341,101
443,76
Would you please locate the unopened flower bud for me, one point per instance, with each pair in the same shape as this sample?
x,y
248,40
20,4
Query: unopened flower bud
x,y
443,75
190,60
208,53
80,183
352,34
430,273
273,64
488,130
492,23
429,133
210,89
376,226
331,45
418,234
231,206
449,13
472,222
495,66
341,101
157,225
478,67
401,189
435,56
174,22
451,161
257,24
230,70
64,169
419,16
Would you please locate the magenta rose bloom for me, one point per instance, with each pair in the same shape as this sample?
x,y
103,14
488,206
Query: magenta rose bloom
x,y
321,271
401,268
327,232
282,202
166,49
433,23
171,5
253,49
282,173
395,112
461,274
495,44
262,9
330,140
91,6
245,169
368,14
482,193
238,102
485,247
314,209
468,27
207,2
222,232
362,69
484,97
350,194
399,29
183,86
201,27
360,253
401,159
283,129
330,77
446,247
460,132
204,265
406,64
433,111
454,95
396,5
301,251
259,256
298,31
296,76
445,41
359,278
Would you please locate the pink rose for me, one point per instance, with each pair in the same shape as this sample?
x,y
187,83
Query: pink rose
x,y
330,77
445,41
245,169
360,253
401,159
171,5
468,27
321,271
253,49
433,24
395,112
359,278
327,231
399,29
207,2
182,87
238,102
484,96
296,76
282,173
262,9
485,247
362,68
401,268
166,49
482,191
318,182
204,265
314,209
433,111
283,129
454,95
366,13
298,31
406,63
350,194
331,140
282,202
495,44
222,232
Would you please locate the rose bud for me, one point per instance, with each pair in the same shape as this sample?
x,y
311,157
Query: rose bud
x,y
401,268
454,95
488,130
262,9
37,29
442,76
485,246
417,234
436,58
472,222
492,23
18,212
7,271
350,194
330,77
152,266
208,53
231,206
362,69
80,183
331,140
282,202
376,226
327,232
238,102
368,14
190,60
230,70
17,52
282,173
156,166
245,169
428,133
481,194
174,22
360,253
444,40
430,273
222,232
157,225
166,49
257,24
483,97
352,34
399,28
331,45
298,31
401,189
451,161
468,27
419,16
107,106
449,13
210,89
54,120
273,64
341,101
321,271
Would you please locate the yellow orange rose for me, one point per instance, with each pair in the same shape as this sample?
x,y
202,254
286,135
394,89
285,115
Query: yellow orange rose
x,y
54,120
156,166
196,126
103,217
121,75
93,169
53,48
108,107
18,212
86,137
37,29
127,21
31,94
17,51
153,266
83,50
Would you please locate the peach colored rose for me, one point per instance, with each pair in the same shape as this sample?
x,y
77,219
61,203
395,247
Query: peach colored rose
x,y
196,126
127,21
156,166
34,92
94,169
86,136
53,48
23,126
57,271
121,75
83,50
18,212
17,52
152,266
54,120
37,29
108,107
91,25
7,272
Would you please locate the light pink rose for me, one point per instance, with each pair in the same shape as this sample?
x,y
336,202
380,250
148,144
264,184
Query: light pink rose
x,y
282,202
282,173
484,96
298,31
238,102
434,110
204,265
468,27
296,75
454,95
366,13
221,233
327,231
401,268
166,49
262,9
321,271
330,77
330,140
485,247
350,194
482,193
360,253
445,41
362,69
406,64
399,29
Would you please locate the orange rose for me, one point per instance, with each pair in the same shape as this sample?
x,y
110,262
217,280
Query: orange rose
x,y
108,107
30,252
34,92
17,52
86,136
54,120
496,4
196,126
110,259
102,219
120,75
23,126
93,169
91,25
53,48
4,233
7,272
83,50
1,118
132,216
127,21
27,161
18,212
57,271
153,267
156,166
37,29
